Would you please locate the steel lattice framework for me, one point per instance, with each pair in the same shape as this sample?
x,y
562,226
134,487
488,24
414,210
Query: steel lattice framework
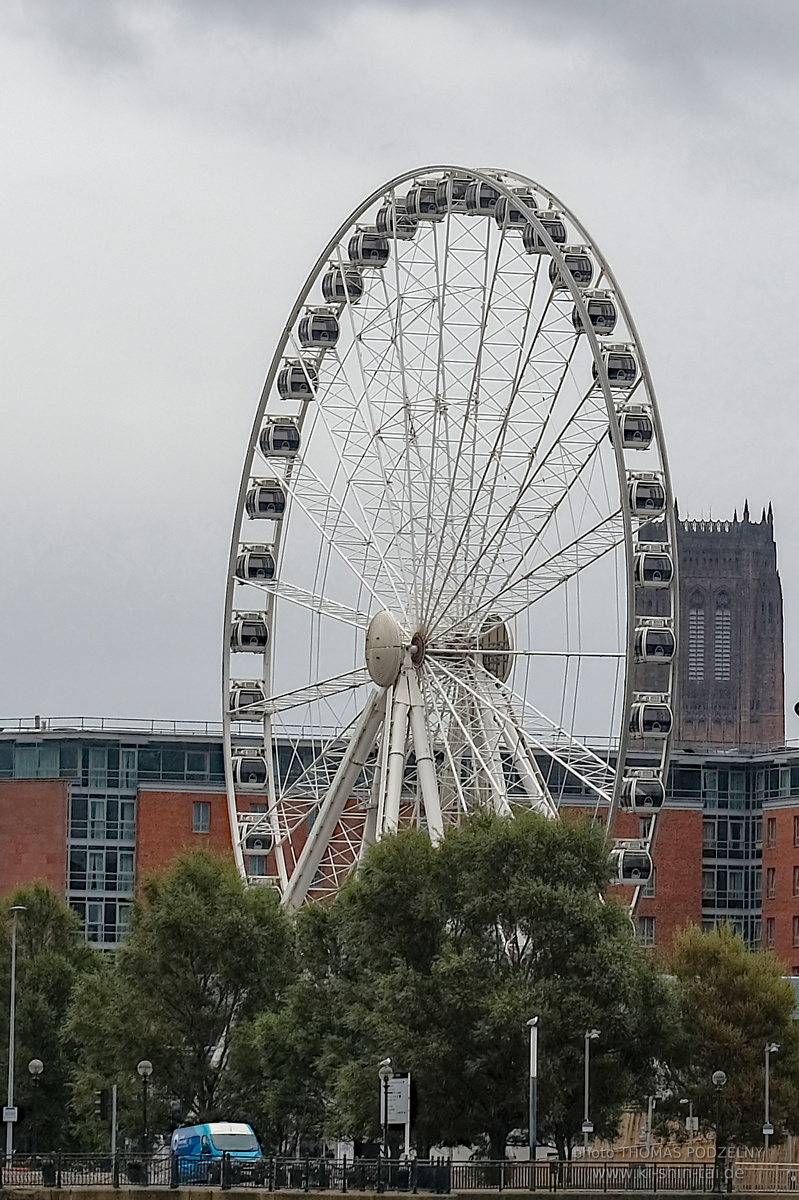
x,y
454,543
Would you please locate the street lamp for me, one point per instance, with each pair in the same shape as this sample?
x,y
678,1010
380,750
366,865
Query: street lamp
x,y
385,1074
768,1128
590,1036
532,1025
145,1069
35,1068
718,1079
691,1122
10,1114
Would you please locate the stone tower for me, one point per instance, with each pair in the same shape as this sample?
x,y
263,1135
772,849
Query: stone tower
x,y
730,683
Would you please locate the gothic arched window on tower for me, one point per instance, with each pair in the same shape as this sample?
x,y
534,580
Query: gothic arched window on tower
x,y
722,636
696,637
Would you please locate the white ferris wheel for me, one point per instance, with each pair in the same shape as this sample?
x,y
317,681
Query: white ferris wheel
x,y
452,580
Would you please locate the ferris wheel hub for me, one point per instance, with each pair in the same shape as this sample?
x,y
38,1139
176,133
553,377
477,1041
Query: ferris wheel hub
x,y
385,648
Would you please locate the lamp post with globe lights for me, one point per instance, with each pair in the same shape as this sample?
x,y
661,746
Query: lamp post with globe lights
x,y
719,1079
385,1074
35,1068
145,1070
768,1128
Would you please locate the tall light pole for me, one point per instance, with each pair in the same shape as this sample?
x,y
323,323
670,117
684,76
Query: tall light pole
x,y
11,1113
590,1036
719,1078
145,1069
35,1068
532,1025
768,1128
385,1074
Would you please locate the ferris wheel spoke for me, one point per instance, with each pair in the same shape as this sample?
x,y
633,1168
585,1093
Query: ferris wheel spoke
x,y
343,534
515,596
547,507
493,535
544,734
315,602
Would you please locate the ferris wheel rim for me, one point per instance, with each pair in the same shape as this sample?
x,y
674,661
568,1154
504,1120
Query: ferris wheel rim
x,y
492,178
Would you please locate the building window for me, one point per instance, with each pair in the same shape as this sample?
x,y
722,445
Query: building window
x,y
770,933
37,762
709,885
785,781
771,833
796,831
127,768
722,637
771,883
201,818
796,931
648,886
646,931
709,836
696,638
644,827
256,864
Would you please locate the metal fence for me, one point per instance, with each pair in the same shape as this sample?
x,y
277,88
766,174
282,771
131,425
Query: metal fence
x,y
439,1176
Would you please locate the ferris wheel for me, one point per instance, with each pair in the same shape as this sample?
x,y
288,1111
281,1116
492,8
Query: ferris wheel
x,y
452,580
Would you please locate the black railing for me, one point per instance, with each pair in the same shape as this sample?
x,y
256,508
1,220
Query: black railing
x,y
439,1176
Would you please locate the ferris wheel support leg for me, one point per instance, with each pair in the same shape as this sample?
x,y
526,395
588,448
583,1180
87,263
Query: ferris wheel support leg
x,y
425,766
398,738
490,736
350,767
525,764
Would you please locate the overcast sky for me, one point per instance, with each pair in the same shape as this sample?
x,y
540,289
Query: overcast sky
x,y
170,171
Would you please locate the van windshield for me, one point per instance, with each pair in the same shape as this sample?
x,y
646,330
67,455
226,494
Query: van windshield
x,y
235,1141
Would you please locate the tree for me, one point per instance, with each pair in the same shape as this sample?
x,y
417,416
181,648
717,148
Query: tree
x,y
52,956
437,957
206,954
733,1002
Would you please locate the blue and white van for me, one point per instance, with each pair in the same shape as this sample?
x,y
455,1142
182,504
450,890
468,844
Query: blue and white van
x,y
199,1150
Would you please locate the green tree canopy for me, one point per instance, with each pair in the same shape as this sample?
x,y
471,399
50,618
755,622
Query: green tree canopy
x,y
52,956
733,1002
206,954
438,957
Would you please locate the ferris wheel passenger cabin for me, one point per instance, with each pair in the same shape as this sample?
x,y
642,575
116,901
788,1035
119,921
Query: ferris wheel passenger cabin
x,y
481,198
642,794
637,430
420,202
620,365
266,500
249,770
368,248
654,644
650,720
298,380
280,438
510,215
393,221
647,496
451,193
248,633
246,696
319,327
340,285
577,263
601,313
653,569
553,225
632,866
255,564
